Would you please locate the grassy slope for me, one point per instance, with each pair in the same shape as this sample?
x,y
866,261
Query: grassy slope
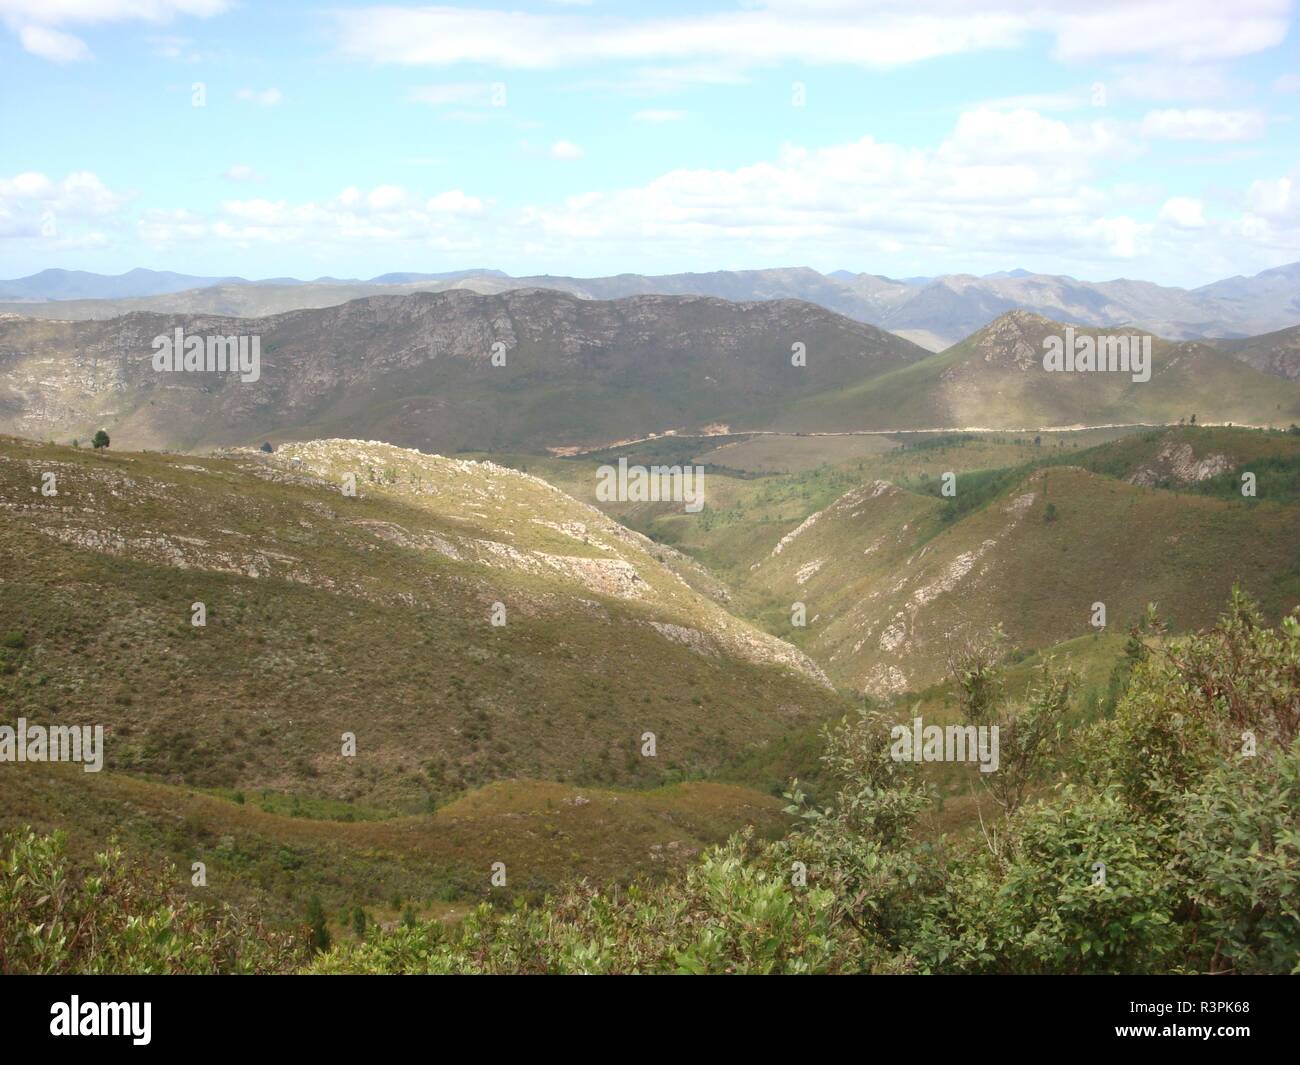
x,y
979,383
1110,541
354,622
886,598
545,833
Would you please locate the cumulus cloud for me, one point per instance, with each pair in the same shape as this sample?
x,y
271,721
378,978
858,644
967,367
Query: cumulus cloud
x,y
999,181
58,214
1184,212
385,213
566,150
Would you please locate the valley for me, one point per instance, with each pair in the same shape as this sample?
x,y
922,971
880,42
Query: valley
x,y
434,644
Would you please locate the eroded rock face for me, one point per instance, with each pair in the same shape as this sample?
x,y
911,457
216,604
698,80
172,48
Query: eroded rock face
x,y
1177,462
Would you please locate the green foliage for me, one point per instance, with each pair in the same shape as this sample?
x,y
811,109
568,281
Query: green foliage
x,y
100,440
119,917
317,925
1167,850
1170,842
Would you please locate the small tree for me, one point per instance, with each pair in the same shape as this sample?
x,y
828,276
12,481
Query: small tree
x,y
101,440
359,921
318,926
267,447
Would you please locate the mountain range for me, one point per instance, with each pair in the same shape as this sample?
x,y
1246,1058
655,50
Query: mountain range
x,y
534,371
935,312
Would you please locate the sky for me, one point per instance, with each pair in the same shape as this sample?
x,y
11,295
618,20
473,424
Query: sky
x,y
1150,139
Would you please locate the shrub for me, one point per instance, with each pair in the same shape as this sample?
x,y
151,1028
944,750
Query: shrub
x,y
119,917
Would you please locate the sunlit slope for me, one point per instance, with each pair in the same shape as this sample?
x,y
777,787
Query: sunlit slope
x,y
371,615
888,584
996,379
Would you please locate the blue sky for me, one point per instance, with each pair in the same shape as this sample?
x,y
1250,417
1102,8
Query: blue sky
x,y
1121,138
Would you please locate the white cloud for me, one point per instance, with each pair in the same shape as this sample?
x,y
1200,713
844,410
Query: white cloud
x,y
36,22
856,32
57,213
1188,30
442,35
54,45
1184,212
566,150
386,198
454,201
999,182
1277,199
385,213
262,97
1287,83
1203,124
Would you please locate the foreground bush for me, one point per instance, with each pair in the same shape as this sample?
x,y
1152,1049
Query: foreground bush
x,y
1170,843
119,918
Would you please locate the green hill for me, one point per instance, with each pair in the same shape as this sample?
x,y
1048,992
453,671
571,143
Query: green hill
x,y
995,379
370,615
892,579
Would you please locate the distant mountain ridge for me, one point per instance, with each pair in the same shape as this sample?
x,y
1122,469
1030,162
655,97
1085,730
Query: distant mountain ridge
x,y
535,370
934,312
419,371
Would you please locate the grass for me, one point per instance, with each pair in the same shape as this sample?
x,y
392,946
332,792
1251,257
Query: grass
x,y
351,625
545,833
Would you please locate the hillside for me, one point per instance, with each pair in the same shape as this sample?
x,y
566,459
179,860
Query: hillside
x,y
372,615
995,379
273,851
893,579
1272,353
418,371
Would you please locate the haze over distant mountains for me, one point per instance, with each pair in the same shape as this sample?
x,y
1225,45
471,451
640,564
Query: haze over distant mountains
x,y
933,312
578,374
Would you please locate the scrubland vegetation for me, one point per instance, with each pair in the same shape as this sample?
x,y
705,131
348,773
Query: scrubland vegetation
x,y
1162,837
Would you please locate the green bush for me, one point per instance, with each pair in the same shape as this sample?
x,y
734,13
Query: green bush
x,y
119,917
